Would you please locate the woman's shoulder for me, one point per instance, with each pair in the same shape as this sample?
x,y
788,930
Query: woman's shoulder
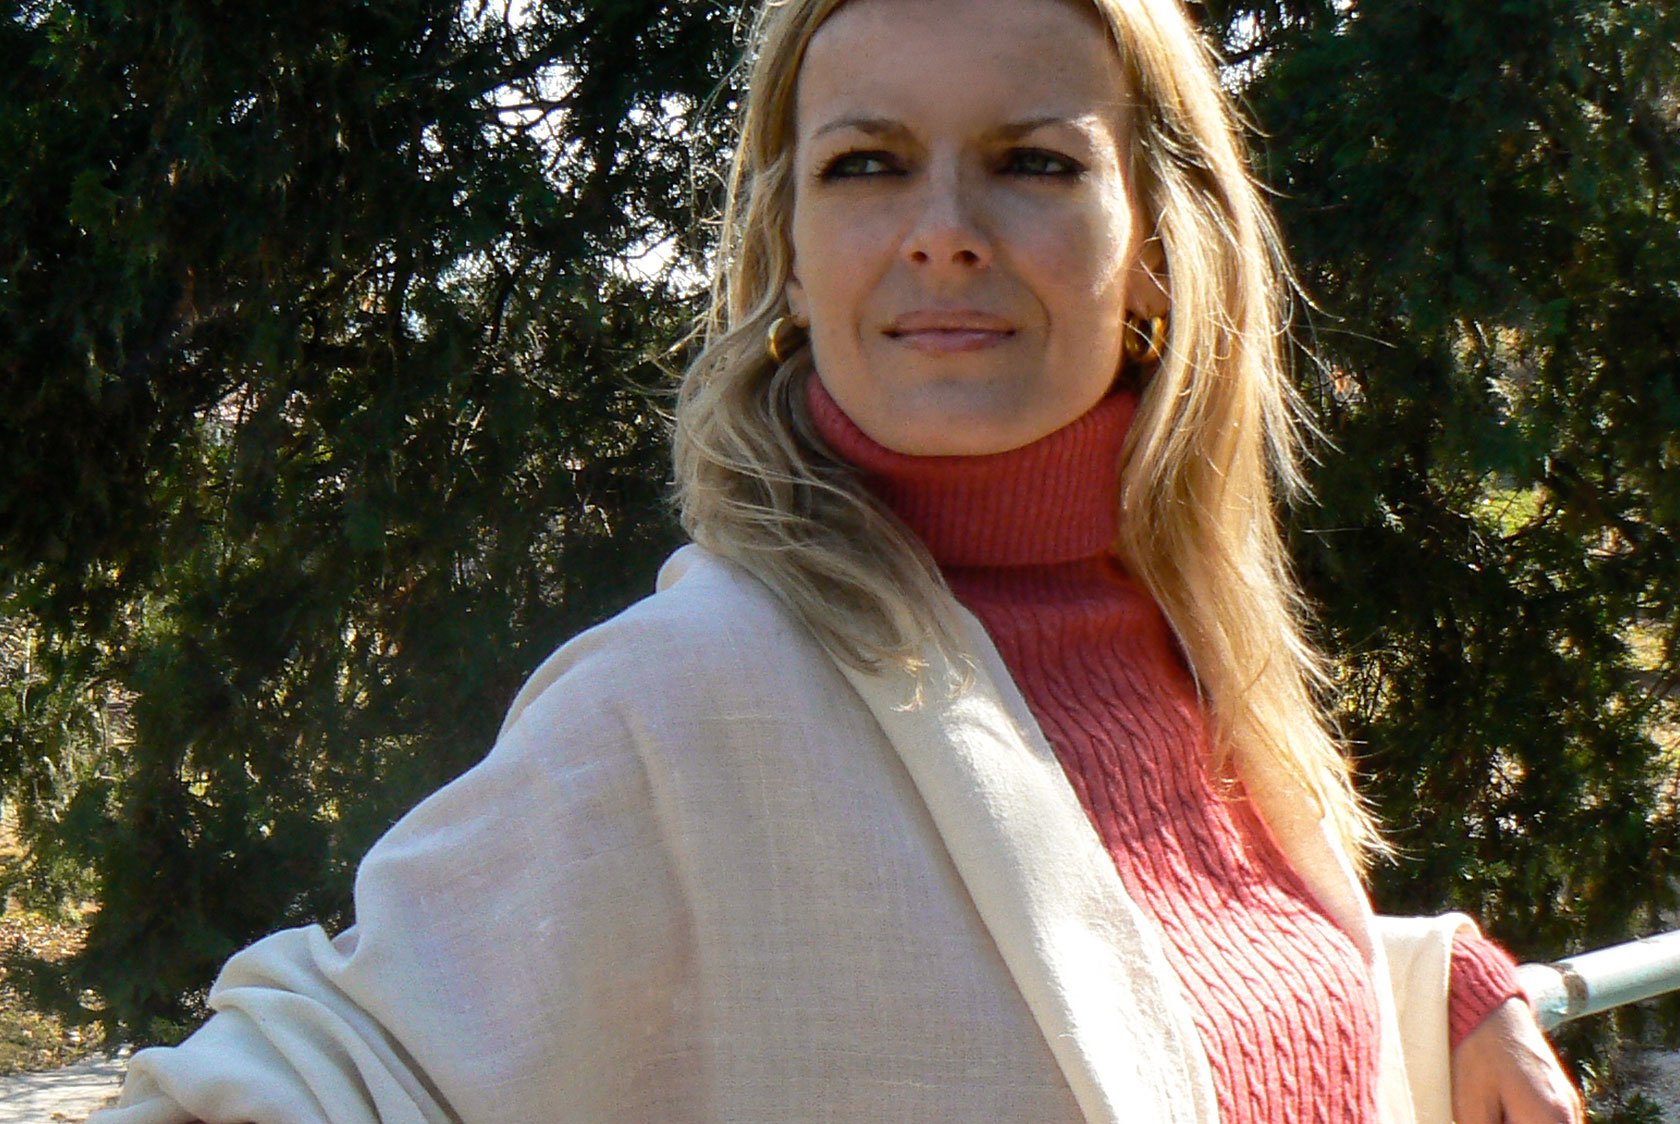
x,y
711,634
659,699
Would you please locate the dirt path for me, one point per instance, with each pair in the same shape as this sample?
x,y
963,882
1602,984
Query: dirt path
x,y
61,1096
1661,1082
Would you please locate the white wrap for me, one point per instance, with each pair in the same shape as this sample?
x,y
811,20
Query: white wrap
x,y
706,875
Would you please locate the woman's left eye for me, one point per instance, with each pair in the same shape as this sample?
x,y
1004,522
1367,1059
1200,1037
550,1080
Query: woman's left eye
x,y
1039,162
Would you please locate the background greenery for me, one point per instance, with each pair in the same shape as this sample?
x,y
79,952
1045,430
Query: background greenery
x,y
324,329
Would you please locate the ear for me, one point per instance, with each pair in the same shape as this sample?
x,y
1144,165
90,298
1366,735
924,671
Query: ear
x,y
1148,291
797,304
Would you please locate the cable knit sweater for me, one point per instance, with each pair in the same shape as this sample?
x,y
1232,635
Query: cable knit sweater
x,y
1278,992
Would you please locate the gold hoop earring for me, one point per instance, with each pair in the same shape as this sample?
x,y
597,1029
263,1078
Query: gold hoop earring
x,y
784,336
1145,340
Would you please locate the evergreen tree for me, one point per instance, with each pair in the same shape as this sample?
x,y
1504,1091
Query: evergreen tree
x,y
326,367
1482,200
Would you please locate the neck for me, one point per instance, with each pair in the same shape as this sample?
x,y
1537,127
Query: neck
x,y
1052,501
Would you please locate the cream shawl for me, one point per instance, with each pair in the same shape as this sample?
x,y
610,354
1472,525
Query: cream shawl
x,y
707,874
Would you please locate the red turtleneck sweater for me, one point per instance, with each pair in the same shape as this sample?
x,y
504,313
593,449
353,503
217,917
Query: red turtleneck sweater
x,y
1279,993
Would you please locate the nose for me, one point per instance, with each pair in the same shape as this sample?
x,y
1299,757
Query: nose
x,y
947,230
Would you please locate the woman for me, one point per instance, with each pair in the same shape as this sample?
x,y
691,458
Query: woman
x,y
803,836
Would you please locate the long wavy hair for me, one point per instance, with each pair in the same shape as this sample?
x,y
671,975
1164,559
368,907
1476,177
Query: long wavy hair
x,y
1215,440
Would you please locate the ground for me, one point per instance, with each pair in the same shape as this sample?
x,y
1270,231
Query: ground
x,y
30,1040
60,1096
50,1073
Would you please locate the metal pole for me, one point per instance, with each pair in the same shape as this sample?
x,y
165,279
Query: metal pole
x,y
1597,981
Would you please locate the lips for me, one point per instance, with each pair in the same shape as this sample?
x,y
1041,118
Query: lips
x,y
948,331
948,320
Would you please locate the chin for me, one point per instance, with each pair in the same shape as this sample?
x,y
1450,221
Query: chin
x,y
954,436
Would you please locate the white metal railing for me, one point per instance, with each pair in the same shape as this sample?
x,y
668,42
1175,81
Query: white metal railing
x,y
1597,981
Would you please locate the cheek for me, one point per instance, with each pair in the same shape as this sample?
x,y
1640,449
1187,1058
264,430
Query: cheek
x,y
1084,277
1078,259
834,255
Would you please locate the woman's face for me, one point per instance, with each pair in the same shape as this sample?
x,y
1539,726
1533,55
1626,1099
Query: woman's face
x,y
966,244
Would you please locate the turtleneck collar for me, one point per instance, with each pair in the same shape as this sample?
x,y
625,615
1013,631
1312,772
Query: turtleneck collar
x,y
1055,500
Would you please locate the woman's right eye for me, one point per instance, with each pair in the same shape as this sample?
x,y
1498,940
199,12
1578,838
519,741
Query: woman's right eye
x,y
858,165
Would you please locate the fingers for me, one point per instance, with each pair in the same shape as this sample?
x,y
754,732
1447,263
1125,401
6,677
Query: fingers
x,y
1557,1103
1546,1095
1506,1072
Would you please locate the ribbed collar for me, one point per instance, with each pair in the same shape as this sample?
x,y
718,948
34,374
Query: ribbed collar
x,y
1055,500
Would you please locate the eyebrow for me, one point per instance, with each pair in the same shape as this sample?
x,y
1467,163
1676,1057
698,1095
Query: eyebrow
x,y
886,126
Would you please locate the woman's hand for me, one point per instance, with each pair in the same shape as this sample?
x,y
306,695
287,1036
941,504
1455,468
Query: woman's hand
x,y
1505,1072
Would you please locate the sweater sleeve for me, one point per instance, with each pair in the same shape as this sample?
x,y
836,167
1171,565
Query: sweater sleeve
x,y
1483,977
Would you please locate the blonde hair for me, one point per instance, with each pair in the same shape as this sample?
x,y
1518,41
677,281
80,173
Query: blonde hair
x,y
1218,425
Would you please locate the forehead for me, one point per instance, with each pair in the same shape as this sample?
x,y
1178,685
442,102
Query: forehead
x,y
938,59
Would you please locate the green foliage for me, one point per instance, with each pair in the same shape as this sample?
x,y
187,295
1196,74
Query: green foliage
x,y
1481,199
324,425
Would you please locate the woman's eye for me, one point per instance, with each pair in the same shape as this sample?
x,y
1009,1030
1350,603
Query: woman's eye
x,y
1038,162
851,165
